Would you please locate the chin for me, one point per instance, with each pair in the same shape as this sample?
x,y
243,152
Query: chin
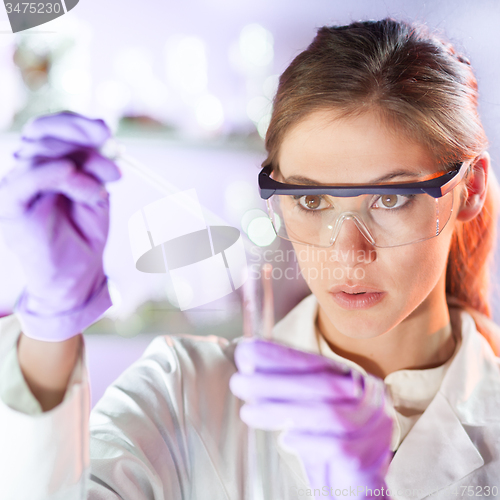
x,y
359,331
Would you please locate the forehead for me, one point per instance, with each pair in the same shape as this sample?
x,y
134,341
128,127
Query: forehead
x,y
331,150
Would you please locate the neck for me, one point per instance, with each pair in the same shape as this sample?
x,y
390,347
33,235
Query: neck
x,y
422,340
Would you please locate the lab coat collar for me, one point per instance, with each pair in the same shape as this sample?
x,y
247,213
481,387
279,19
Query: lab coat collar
x,y
437,451
296,329
472,383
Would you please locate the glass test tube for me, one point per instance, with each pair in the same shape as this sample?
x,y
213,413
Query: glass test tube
x,y
259,322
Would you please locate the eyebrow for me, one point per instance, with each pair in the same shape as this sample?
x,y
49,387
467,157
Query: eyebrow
x,y
310,182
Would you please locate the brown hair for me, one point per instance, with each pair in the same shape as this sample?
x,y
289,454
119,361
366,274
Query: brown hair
x,y
420,86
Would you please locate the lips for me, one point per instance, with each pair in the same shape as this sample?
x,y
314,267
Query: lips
x,y
356,296
354,289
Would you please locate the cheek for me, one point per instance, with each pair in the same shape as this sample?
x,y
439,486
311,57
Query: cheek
x,y
408,273
322,268
414,269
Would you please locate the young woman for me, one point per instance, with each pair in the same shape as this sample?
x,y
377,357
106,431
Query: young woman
x,y
378,174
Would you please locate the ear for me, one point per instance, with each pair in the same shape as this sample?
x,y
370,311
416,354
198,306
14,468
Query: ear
x,y
474,192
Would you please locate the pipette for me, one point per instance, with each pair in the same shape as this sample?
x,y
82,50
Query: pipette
x,y
117,152
268,302
258,314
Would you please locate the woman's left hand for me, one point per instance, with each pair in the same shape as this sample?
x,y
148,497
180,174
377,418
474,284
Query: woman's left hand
x,y
336,419
54,215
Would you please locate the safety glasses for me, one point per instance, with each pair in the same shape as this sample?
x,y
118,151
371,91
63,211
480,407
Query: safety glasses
x,y
388,215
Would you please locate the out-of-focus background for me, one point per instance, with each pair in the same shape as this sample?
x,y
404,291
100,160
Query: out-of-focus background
x,y
187,88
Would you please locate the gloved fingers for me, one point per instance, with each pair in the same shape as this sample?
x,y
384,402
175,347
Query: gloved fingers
x,y
69,127
345,471
266,356
102,168
59,244
46,147
316,448
366,451
54,222
93,221
330,462
75,185
325,463
375,392
89,160
35,236
337,418
324,386
372,452
59,176
339,476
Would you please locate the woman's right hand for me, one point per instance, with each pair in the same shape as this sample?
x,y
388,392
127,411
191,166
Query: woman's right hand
x,y
336,419
54,214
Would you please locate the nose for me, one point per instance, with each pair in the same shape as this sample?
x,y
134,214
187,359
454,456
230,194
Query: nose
x,y
352,241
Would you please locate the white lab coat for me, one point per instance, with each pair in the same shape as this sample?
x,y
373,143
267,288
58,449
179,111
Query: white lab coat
x,y
169,428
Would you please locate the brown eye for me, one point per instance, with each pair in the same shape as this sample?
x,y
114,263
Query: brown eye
x,y
394,201
312,202
389,200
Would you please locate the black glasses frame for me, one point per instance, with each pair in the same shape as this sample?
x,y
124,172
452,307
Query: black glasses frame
x,y
436,187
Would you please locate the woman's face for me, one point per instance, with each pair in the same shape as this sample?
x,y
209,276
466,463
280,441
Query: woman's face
x,y
412,277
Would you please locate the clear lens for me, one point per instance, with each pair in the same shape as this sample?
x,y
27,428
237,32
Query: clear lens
x,y
386,220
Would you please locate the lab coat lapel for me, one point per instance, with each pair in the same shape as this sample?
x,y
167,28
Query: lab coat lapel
x,y
436,453
297,329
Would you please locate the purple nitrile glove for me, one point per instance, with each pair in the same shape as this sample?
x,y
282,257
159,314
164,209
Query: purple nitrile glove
x,y
54,214
336,419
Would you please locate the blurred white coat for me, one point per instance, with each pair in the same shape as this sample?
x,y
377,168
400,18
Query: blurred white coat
x,y
169,427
